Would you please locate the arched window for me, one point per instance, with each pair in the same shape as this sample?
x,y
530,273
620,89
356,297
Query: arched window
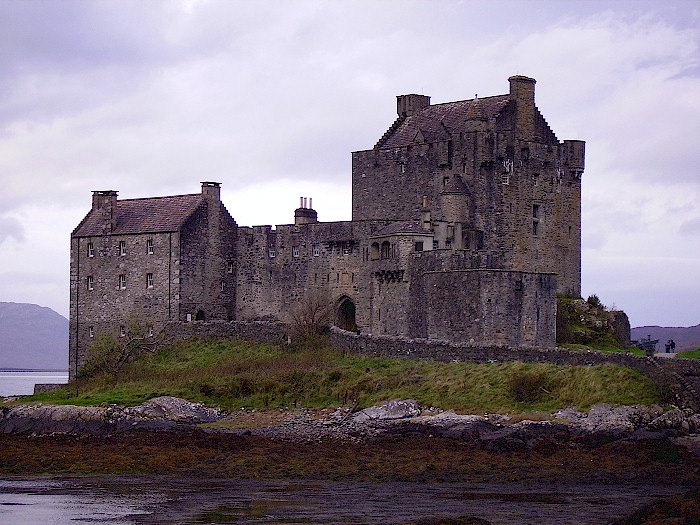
x,y
386,250
374,252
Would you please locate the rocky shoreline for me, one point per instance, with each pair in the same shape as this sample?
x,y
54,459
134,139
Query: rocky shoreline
x,y
565,428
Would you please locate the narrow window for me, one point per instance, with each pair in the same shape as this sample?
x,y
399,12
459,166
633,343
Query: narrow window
x,y
448,244
272,253
150,330
223,286
122,247
229,267
122,281
188,317
386,250
346,248
374,251
535,219
505,178
295,251
149,280
90,250
90,282
419,246
435,245
91,331
445,180
149,246
122,331
317,250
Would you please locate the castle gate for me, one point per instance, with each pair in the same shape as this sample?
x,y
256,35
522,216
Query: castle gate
x,y
345,316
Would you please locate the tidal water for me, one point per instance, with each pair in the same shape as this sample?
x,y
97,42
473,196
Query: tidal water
x,y
21,383
136,500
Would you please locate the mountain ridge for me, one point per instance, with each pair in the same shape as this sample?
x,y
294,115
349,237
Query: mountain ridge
x,y
32,337
686,338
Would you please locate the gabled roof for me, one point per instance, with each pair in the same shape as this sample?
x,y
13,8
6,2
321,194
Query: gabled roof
x,y
439,121
152,215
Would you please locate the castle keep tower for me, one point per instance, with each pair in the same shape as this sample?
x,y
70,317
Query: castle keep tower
x,y
492,170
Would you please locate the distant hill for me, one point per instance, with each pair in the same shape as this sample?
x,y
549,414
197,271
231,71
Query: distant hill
x,y
685,338
32,336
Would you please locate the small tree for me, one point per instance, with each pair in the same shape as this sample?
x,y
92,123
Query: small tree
x,y
311,318
108,354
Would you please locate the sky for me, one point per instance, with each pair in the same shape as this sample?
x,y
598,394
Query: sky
x,y
271,97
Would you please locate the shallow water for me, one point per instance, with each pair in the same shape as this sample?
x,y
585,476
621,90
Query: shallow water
x,y
135,500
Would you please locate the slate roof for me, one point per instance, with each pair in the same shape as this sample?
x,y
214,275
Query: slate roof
x,y
439,121
152,215
455,186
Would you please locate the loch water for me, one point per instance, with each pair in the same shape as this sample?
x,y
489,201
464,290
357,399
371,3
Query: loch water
x,y
21,382
148,500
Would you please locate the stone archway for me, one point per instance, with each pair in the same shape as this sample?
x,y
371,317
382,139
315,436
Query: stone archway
x,y
345,315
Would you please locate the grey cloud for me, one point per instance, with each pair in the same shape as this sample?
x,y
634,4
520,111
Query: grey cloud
x,y
690,227
10,227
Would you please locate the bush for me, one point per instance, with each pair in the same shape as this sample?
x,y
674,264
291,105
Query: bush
x,y
531,386
594,301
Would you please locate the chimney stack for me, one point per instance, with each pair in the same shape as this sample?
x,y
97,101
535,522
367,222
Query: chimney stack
x,y
211,190
304,215
409,105
105,201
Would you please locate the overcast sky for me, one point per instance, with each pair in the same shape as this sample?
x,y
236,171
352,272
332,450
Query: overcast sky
x,y
269,98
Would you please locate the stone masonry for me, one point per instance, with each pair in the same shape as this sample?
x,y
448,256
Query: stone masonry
x,y
466,223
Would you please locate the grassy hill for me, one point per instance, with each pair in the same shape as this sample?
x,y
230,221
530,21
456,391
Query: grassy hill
x,y
243,374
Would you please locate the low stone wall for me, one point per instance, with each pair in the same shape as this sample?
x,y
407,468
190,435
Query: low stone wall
x,y
263,331
47,387
665,373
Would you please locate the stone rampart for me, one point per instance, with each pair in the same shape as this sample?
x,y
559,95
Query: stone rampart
x,y
665,373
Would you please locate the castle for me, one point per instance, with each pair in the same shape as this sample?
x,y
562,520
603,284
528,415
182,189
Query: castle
x,y
466,224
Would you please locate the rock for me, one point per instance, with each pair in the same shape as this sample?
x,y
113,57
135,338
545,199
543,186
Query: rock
x,y
175,409
395,409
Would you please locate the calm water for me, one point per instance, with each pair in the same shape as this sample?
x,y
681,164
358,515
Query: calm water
x,y
148,500
22,383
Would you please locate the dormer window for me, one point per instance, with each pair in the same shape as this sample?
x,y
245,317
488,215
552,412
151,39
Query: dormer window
x,y
122,248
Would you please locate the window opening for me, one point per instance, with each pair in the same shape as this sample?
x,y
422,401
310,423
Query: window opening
x,y
435,245
149,280
229,267
91,331
419,246
374,251
295,251
272,253
317,250
122,331
122,281
199,316
90,282
122,247
90,250
386,250
149,246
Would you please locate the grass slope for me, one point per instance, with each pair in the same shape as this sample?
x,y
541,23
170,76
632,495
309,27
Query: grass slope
x,y
243,374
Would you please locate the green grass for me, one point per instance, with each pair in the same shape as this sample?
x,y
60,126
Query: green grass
x,y
604,348
690,354
241,374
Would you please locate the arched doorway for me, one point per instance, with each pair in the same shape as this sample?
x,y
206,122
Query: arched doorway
x,y
345,317
199,316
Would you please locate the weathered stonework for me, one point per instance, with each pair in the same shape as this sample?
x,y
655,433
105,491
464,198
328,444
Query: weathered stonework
x,y
465,225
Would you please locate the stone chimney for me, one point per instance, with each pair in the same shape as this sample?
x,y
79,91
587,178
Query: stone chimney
x,y
304,214
105,202
211,190
522,92
409,105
